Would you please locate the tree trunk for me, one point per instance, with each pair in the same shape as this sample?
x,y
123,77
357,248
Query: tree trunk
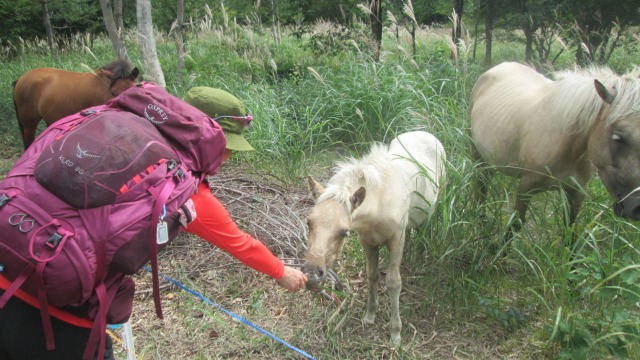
x,y
275,13
376,26
147,43
456,36
117,14
475,31
413,39
47,22
528,28
528,36
488,32
180,41
110,24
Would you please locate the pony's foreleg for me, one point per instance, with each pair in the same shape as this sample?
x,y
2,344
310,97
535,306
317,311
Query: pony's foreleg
x,y
575,197
373,276
521,205
394,285
481,180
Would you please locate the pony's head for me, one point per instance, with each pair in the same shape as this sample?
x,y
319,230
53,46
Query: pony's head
x,y
614,145
121,75
329,224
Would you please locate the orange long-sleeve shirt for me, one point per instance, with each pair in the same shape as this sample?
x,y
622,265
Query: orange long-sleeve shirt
x,y
214,224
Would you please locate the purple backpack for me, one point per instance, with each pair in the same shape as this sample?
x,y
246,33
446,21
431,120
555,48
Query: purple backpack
x,y
95,197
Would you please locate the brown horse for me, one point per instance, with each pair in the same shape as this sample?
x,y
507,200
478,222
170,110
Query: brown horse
x,y
550,133
51,94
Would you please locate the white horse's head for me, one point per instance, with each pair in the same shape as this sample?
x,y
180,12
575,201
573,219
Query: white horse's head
x,y
614,145
329,224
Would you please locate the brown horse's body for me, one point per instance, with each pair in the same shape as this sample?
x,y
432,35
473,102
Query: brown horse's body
x,y
51,94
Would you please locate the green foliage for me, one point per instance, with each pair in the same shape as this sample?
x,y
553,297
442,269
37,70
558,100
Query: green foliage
x,y
69,17
23,14
335,40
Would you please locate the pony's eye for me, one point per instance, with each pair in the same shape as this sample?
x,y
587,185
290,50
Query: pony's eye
x,y
345,234
617,137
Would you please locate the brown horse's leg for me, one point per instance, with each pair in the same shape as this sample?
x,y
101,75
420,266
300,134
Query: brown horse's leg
x,y
28,120
28,127
26,111
373,276
394,286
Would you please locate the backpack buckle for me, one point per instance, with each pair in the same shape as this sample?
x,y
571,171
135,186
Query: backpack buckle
x,y
87,112
54,240
4,199
179,174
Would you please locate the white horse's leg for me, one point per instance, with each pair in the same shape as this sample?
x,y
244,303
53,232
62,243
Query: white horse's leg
x,y
373,275
529,186
394,285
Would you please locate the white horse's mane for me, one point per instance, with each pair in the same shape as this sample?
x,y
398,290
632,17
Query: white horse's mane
x,y
353,173
577,104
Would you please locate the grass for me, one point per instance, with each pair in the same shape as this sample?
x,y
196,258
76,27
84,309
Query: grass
x,y
466,295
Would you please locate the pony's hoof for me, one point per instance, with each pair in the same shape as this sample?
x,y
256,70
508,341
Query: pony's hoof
x,y
395,339
369,319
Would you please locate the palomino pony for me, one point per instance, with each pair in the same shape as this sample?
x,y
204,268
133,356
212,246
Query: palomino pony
x,y
51,94
380,197
551,133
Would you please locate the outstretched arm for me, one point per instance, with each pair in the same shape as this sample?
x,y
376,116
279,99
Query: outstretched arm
x,y
214,224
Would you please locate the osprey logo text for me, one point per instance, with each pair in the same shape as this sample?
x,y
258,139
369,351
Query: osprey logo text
x,y
81,153
160,117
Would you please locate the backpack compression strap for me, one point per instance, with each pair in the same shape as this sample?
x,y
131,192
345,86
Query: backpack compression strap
x,y
161,196
105,298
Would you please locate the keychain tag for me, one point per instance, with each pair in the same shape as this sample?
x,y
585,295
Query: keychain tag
x,y
163,233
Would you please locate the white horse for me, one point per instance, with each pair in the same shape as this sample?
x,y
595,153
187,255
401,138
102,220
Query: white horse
x,y
379,197
552,132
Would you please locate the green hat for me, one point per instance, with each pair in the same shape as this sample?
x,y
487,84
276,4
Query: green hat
x,y
227,110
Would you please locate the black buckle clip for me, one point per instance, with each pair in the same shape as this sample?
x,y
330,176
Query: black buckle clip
x,y
4,199
54,240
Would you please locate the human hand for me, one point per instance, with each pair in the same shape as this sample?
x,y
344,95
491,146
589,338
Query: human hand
x,y
293,279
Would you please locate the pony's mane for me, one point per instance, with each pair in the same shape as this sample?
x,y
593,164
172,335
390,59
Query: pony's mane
x,y
120,69
577,104
352,173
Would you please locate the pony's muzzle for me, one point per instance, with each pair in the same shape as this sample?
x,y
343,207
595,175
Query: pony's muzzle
x,y
628,208
315,277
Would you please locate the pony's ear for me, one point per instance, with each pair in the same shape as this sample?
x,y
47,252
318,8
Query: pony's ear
x,y
315,188
603,92
134,73
357,198
106,73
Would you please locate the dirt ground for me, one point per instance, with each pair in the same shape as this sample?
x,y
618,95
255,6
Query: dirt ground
x,y
303,325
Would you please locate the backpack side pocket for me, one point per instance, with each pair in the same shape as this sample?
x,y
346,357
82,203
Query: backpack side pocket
x,y
39,252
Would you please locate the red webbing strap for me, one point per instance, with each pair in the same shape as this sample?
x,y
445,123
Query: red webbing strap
x,y
161,199
99,330
44,307
15,285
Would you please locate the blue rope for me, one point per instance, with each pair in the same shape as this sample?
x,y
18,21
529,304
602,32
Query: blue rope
x,y
234,315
